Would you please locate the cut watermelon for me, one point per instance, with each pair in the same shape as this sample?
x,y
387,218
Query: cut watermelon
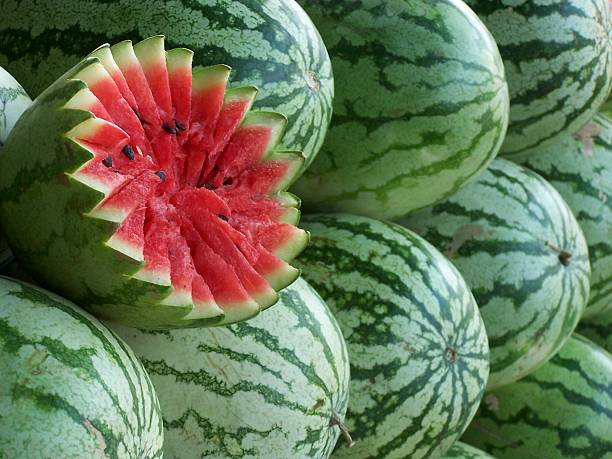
x,y
176,195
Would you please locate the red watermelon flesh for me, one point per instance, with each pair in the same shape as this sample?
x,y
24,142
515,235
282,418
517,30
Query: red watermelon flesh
x,y
190,177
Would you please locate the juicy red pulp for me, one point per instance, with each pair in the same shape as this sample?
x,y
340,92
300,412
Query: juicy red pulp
x,y
191,187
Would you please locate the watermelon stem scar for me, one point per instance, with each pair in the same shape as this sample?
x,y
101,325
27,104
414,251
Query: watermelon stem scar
x,y
564,255
184,178
336,421
451,355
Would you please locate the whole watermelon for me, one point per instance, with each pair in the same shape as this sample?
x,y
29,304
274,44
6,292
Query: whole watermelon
x,y
562,411
580,168
598,329
13,102
70,388
421,105
521,251
417,344
271,44
558,62
463,451
273,387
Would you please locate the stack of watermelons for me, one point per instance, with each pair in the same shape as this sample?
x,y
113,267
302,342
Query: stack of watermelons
x,y
281,231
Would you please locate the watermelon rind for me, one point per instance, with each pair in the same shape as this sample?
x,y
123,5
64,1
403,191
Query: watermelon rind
x,y
598,329
562,411
558,63
524,256
267,388
13,102
271,44
417,344
421,105
580,168
464,451
70,387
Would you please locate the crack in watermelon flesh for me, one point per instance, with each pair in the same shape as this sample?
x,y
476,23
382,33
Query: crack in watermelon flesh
x,y
190,177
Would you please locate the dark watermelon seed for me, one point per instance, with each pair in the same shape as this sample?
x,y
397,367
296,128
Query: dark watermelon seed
x,y
180,126
169,129
161,175
129,152
108,161
223,217
140,118
228,181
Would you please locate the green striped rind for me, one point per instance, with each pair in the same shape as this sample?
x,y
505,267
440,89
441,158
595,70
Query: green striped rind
x,y
37,187
558,63
411,123
417,345
13,102
598,329
70,388
266,388
270,44
464,451
580,169
504,233
562,411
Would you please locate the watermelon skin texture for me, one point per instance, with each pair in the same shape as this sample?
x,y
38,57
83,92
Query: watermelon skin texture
x,y
562,411
13,102
70,387
598,329
580,168
464,451
504,233
417,344
266,388
558,64
271,44
411,123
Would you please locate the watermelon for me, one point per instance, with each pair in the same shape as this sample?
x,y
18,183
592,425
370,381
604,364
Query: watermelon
x,y
598,329
150,196
417,344
271,44
562,411
606,108
273,387
411,123
558,63
13,102
580,168
464,451
522,253
70,387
